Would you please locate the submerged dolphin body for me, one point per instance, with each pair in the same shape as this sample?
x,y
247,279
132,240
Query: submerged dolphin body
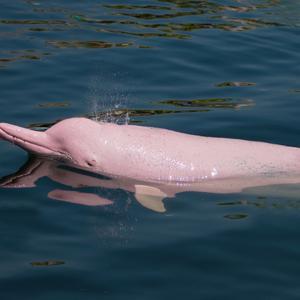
x,y
152,163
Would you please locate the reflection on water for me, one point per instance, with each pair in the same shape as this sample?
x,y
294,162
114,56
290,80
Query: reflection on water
x,y
167,19
77,186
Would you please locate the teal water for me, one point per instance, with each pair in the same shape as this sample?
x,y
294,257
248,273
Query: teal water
x,y
215,68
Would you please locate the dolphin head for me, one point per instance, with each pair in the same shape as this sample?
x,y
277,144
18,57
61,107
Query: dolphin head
x,y
77,141
71,140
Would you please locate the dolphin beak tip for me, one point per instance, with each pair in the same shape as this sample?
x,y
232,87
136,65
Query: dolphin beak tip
x,y
30,140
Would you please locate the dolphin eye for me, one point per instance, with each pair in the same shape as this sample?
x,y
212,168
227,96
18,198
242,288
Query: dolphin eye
x,y
90,163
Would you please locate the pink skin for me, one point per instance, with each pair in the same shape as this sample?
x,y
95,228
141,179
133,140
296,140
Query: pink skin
x,y
153,155
151,163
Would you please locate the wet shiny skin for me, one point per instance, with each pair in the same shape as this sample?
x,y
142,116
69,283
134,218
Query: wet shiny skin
x,y
152,154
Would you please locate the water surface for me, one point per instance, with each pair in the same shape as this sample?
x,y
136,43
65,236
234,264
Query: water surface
x,y
214,68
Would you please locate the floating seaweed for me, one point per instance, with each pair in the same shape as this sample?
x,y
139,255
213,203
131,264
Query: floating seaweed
x,y
47,263
131,7
167,19
124,115
54,104
149,16
147,34
294,90
237,216
115,115
38,29
260,203
33,57
210,103
232,203
15,55
82,18
235,83
6,60
33,22
89,44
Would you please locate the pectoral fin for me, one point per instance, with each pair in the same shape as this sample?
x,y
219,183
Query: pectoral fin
x,y
150,197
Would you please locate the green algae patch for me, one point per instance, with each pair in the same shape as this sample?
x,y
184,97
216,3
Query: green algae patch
x,y
32,57
81,18
89,44
33,22
54,104
38,29
149,16
47,263
238,216
230,203
125,6
6,60
294,91
235,83
210,103
119,116
13,56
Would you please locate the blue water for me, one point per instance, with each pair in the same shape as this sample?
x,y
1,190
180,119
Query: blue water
x,y
215,68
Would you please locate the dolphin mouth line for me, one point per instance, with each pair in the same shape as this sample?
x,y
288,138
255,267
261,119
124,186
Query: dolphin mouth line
x,y
22,143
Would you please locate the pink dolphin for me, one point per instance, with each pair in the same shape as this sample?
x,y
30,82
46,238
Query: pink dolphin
x,y
159,163
152,154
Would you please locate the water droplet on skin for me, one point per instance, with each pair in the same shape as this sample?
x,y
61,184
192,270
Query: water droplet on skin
x,y
214,172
